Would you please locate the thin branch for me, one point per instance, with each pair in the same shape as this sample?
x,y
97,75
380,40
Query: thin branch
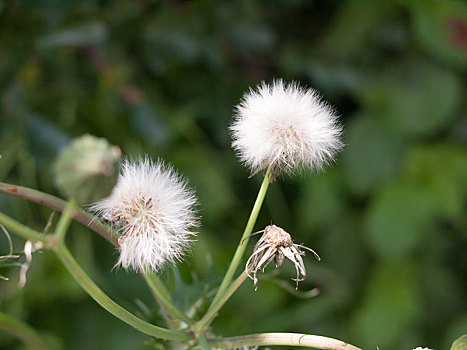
x,y
245,237
162,295
215,307
108,304
287,339
57,204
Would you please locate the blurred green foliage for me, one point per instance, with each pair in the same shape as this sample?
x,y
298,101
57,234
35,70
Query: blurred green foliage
x,y
388,219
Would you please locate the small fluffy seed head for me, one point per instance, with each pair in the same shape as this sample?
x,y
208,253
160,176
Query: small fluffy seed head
x,y
152,209
283,125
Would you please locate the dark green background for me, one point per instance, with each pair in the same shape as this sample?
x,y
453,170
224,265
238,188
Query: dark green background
x,y
388,219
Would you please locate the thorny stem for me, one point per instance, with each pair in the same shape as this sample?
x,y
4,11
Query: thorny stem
x,y
57,204
212,312
245,237
289,339
23,332
161,293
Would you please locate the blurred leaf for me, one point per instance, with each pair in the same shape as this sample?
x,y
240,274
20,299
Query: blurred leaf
x,y
442,171
440,28
398,217
82,35
414,98
362,16
372,154
389,307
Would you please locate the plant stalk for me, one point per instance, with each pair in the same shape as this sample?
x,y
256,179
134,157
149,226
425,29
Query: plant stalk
x,y
245,237
286,339
212,312
161,293
57,204
108,304
22,230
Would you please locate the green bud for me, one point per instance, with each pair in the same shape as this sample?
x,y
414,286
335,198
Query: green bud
x,y
87,169
460,343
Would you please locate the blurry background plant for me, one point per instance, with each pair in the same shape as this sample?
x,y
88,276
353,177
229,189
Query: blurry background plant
x,y
389,220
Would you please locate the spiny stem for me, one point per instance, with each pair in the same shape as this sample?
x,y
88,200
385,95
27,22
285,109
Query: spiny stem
x,y
160,292
108,304
212,312
245,237
23,332
57,204
286,339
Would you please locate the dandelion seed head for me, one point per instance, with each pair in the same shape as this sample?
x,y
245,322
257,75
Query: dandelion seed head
x,y
153,210
282,126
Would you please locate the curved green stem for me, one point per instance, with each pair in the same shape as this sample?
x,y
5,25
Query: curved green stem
x,y
245,237
204,343
22,230
108,304
58,204
23,332
64,222
212,312
287,339
161,293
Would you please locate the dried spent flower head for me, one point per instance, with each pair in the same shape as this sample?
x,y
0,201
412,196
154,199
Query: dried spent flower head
x,y
283,125
276,243
152,209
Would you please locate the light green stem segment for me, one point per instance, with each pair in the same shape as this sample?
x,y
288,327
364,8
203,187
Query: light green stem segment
x,y
212,312
22,230
23,332
160,291
243,242
64,222
108,304
204,343
285,339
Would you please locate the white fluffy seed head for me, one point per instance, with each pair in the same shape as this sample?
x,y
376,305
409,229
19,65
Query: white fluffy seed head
x,y
152,209
284,125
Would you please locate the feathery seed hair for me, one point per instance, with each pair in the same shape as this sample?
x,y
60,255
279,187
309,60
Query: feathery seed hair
x,y
153,209
283,125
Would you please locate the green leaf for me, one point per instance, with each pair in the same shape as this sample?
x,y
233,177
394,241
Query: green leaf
x,y
389,307
397,219
372,155
414,98
438,28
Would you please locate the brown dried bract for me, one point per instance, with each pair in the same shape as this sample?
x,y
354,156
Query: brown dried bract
x,y
276,243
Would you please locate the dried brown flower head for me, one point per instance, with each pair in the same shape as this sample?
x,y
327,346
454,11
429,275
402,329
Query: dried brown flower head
x,y
276,243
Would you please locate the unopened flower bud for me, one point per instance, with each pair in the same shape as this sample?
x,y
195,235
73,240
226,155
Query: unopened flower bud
x,y
86,169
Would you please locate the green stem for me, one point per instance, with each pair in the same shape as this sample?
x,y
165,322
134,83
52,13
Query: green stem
x,y
108,304
160,292
212,312
204,343
286,339
58,204
23,332
64,222
245,237
22,230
